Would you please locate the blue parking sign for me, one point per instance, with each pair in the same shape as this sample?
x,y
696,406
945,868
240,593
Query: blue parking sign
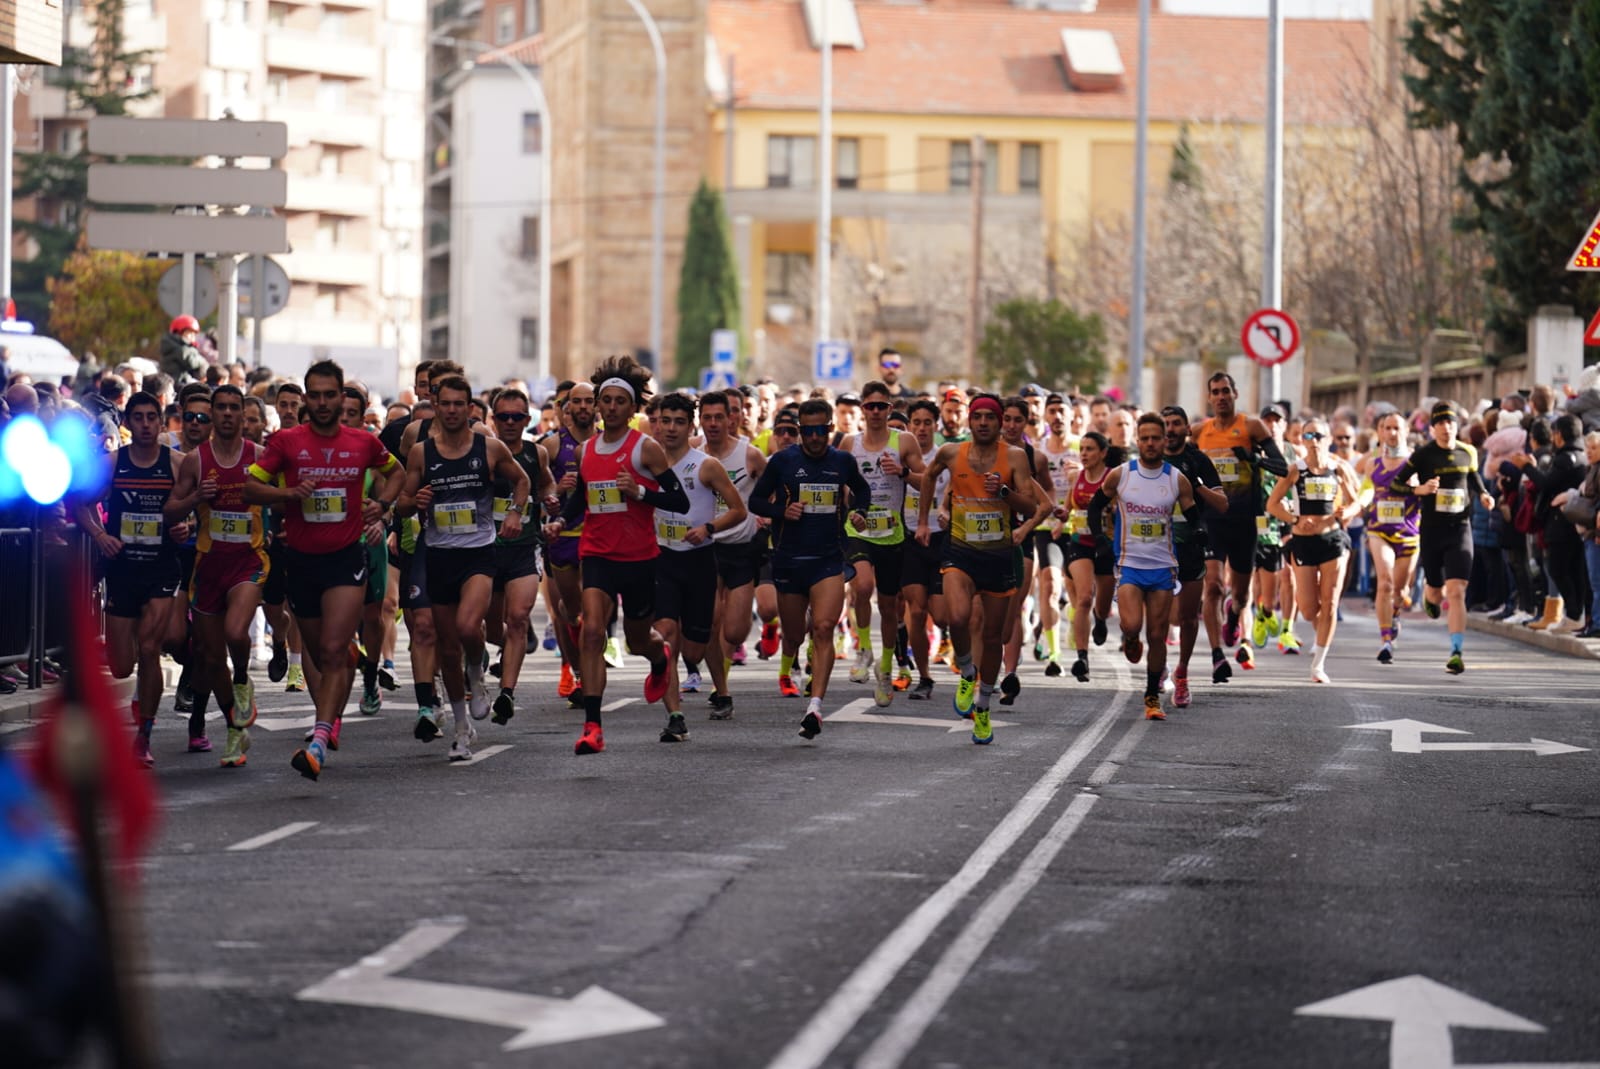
x,y
715,379
834,361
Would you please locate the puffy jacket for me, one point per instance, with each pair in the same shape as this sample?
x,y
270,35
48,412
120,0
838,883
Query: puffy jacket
x,y
181,360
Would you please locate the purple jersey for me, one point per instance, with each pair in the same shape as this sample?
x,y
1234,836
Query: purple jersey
x,y
1391,516
563,551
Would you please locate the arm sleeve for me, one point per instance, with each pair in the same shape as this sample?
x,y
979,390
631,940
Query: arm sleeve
x,y
1206,472
1401,483
1097,510
672,496
860,489
1272,458
576,504
761,502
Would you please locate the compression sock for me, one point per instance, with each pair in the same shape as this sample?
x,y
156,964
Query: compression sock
x,y
886,661
369,672
864,639
985,692
241,671
1152,684
458,709
591,709
322,733
1456,639
294,659
785,664
1052,644
964,664
425,695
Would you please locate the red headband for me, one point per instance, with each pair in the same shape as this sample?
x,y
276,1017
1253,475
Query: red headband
x,y
985,404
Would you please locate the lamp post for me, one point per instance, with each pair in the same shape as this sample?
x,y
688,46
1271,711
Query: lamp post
x,y
543,107
658,218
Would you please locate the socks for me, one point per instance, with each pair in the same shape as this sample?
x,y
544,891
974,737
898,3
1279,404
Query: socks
x,y
507,692
1217,654
458,709
985,692
241,671
369,673
1152,684
321,734
591,709
785,664
1318,655
1052,644
294,659
1456,639
886,661
814,706
425,696
864,639
964,664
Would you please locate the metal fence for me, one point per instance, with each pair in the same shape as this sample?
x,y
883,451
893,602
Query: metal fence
x,y
39,557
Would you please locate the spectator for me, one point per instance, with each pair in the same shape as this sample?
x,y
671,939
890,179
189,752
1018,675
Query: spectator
x,y
22,400
1585,404
1563,548
104,405
180,357
1591,532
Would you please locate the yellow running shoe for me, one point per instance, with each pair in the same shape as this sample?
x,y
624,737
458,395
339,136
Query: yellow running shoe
x,y
982,733
295,680
966,694
1152,707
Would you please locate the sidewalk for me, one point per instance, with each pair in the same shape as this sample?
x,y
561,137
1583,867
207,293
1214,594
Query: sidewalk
x,y
1567,644
27,705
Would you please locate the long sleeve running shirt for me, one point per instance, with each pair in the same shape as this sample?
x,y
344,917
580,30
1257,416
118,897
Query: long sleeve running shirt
x,y
818,483
1459,482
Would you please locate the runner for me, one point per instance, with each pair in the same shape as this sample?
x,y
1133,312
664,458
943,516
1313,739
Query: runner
x,y
1319,546
516,571
803,493
740,547
1392,537
1189,541
353,415
1052,545
1147,493
622,478
563,595
326,521
686,574
141,560
1013,432
886,459
193,691
230,563
922,585
1448,483
1091,565
1265,621
988,482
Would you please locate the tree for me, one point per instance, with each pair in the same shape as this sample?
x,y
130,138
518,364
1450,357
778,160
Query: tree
x,y
708,285
1514,81
104,304
1031,340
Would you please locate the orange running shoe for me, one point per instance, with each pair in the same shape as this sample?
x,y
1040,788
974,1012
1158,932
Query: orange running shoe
x,y
593,740
568,684
769,641
1152,707
787,688
655,684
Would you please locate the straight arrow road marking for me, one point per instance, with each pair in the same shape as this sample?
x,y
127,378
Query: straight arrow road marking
x,y
1422,1012
267,838
1405,736
855,712
539,1021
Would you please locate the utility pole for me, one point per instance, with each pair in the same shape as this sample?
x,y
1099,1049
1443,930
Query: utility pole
x,y
975,291
1272,218
824,271
727,133
1141,178
7,140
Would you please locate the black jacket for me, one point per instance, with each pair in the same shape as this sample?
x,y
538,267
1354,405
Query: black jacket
x,y
181,360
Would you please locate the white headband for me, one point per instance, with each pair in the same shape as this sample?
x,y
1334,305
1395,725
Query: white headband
x,y
620,383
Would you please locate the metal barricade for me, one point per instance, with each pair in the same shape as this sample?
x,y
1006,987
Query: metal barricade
x,y
37,566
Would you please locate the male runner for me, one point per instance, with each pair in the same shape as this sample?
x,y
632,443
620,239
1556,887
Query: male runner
x,y
192,692
516,572
740,546
352,414
1147,492
325,520
1013,432
1189,541
563,588
922,585
989,480
1052,547
803,493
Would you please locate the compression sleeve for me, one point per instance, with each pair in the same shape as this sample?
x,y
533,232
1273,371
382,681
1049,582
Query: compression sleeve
x,y
672,496
1401,483
1272,458
1097,510
576,504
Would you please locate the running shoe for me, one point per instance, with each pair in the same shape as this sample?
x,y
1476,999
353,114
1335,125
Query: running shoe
x,y
787,688
655,684
550,636
1080,671
575,699
740,655
477,695
233,750
461,747
1230,623
244,704
769,641
182,698
199,744
1455,666
1247,660
505,707
141,751
1319,676
966,694
1098,632
333,733
810,725
691,683
1274,626
309,761
923,691
1010,687
861,671
1431,608
568,682
1385,654
677,729
371,700
982,732
295,681
1180,689
427,727
279,663
1152,707
1289,643
882,691
1039,652
1221,670
613,654
1132,648
902,678
593,740
386,678
1052,669
722,707
946,652
1258,630
494,669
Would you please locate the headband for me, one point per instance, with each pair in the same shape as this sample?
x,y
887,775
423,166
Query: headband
x,y
622,383
984,404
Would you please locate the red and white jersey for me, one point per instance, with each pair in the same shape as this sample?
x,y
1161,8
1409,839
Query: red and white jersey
x,y
616,525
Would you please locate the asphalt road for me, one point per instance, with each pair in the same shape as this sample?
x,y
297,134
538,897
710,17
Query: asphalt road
x,y
1090,890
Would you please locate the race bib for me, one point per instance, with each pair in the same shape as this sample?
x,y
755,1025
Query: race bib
x,y
325,505
1320,487
1078,522
1147,530
671,532
984,526
880,522
1391,512
1450,499
457,517
142,528
1263,525
1227,468
819,498
606,496
230,526
1177,514
913,504
502,508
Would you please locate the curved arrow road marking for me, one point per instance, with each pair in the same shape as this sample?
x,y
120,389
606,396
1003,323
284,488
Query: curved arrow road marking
x,y
1405,736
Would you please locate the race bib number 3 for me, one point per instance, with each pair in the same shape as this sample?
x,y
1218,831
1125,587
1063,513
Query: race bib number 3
x,y
141,528
819,498
984,526
325,505
230,526
1450,499
458,516
1391,512
606,496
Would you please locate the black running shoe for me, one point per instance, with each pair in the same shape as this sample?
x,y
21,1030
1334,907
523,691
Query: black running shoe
x,y
1099,632
1052,670
677,729
810,726
1385,656
1080,671
1431,608
278,667
575,700
386,678
425,730
183,700
923,691
494,669
504,708
722,707
1010,687
1221,670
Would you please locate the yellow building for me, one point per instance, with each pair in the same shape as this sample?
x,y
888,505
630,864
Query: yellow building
x,y
1052,94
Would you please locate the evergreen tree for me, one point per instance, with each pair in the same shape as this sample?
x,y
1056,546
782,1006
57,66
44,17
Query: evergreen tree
x,y
708,285
1030,340
1518,82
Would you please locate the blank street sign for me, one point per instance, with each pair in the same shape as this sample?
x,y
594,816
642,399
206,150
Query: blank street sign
x,y
238,234
111,135
138,183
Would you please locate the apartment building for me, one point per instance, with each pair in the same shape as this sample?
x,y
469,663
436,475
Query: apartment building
x,y
346,76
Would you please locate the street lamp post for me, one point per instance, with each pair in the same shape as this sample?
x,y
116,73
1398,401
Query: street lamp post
x,y
658,218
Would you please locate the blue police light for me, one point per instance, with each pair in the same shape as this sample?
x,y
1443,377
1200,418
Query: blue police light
x,y
75,436
44,468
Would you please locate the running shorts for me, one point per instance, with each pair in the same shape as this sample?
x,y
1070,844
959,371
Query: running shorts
x,y
1050,551
1268,558
273,592
1403,547
449,570
1149,580
634,581
378,577
686,590
991,573
1105,561
797,575
887,562
513,562
215,574
1233,541
738,563
1191,562
130,587
1313,551
562,551
921,567
310,574
1446,554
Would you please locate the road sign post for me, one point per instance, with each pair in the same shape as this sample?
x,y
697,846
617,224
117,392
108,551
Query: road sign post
x,y
1270,337
834,362
1586,257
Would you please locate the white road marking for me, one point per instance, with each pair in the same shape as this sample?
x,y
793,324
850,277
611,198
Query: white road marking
x,y
1405,736
20,725
268,838
811,1046
480,755
620,703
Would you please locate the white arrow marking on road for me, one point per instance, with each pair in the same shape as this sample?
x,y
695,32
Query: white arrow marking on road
x,y
1423,1011
856,713
1405,736
540,1021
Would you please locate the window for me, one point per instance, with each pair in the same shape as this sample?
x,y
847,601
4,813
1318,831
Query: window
x,y
1028,166
331,163
532,135
961,166
786,271
142,79
277,14
530,237
505,24
72,138
332,24
791,162
330,233
277,88
528,340
330,96
532,17
847,164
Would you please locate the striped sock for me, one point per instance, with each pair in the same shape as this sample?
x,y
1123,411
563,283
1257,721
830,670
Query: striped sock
x,y
322,733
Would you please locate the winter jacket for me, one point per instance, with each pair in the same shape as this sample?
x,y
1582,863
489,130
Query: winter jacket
x,y
1586,406
181,360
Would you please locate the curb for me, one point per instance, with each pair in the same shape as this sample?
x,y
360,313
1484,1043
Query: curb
x,y
1588,649
27,705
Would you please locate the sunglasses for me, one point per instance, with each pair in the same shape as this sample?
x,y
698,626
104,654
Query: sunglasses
x,y
511,417
1341,438
1313,436
196,417
877,406
890,365
817,431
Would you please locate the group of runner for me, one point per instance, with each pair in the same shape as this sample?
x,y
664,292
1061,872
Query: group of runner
x,y
685,520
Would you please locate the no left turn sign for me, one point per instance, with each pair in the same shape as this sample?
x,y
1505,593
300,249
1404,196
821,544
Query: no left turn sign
x,y
1270,337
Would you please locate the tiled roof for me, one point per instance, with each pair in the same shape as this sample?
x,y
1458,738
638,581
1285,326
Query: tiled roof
x,y
978,57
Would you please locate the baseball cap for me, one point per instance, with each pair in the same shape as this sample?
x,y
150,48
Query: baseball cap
x,y
850,398
788,415
1273,412
1442,411
956,395
1033,389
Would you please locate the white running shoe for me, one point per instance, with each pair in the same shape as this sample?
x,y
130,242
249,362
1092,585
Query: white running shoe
x,y
1319,676
882,687
861,671
461,748
477,694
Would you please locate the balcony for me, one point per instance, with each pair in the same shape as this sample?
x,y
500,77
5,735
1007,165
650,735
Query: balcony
x,y
800,206
331,196
342,57
438,239
232,46
330,267
450,14
438,307
307,124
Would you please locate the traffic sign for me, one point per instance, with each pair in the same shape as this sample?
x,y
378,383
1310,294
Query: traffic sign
x,y
169,291
140,232
1587,255
115,135
274,288
1592,335
834,360
715,378
131,183
724,348
1270,337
